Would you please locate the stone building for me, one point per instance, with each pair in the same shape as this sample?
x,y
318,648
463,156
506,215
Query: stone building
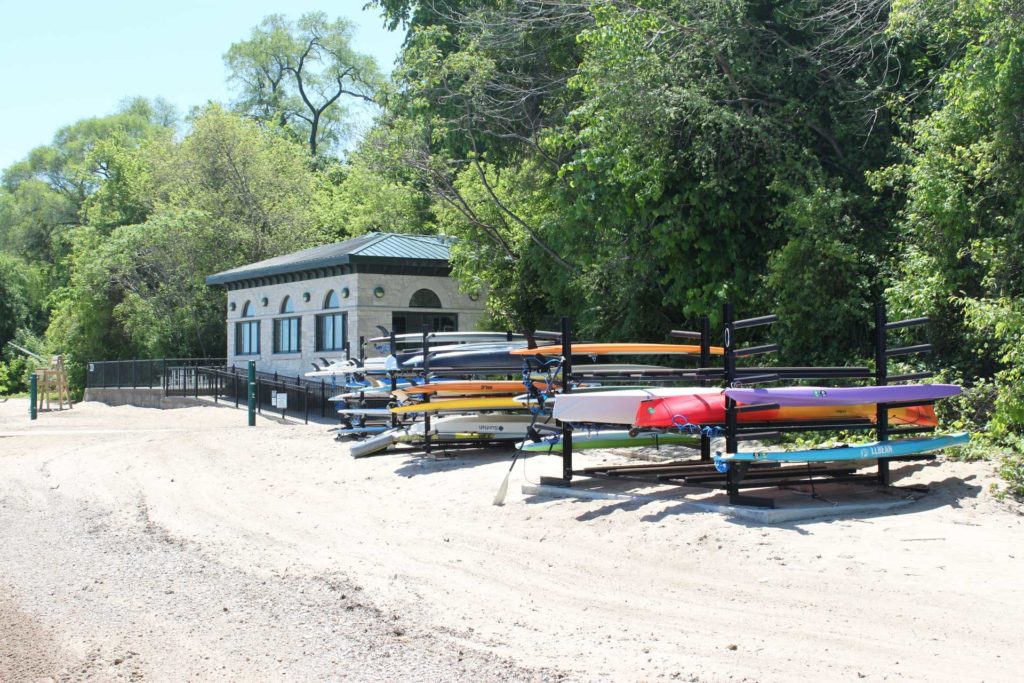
x,y
288,312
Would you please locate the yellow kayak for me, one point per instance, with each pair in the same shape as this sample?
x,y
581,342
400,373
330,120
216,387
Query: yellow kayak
x,y
461,404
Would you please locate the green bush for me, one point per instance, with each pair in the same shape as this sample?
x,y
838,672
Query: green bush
x,y
1011,471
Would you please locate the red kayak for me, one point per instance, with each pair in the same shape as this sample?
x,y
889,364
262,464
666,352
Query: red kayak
x,y
705,409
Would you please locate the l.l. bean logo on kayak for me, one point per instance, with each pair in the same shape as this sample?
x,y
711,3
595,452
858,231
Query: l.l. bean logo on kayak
x,y
880,450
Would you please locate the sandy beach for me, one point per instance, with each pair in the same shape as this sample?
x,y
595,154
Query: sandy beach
x,y
139,544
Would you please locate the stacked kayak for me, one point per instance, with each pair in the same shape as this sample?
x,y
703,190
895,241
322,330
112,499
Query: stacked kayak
x,y
709,409
796,404
855,452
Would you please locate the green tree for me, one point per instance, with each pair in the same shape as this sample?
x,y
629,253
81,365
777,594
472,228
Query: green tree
x,y
962,177
43,195
227,194
299,76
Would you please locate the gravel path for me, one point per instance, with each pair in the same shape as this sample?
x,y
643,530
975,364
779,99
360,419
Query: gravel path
x,y
131,602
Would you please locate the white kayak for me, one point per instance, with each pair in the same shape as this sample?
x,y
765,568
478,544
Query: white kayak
x,y
617,407
497,425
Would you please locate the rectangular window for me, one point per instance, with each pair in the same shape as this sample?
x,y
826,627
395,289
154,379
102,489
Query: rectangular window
x,y
247,338
286,335
405,322
330,332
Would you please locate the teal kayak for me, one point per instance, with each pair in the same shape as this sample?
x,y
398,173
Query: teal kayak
x,y
867,451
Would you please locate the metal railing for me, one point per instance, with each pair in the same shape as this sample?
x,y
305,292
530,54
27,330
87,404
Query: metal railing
x,y
143,374
275,394
288,396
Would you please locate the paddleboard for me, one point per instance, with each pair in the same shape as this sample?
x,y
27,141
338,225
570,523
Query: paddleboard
x,y
502,426
611,349
460,404
375,412
471,388
375,444
612,438
867,451
705,409
829,396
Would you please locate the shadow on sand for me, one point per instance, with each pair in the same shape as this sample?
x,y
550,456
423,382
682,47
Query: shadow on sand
x,y
827,502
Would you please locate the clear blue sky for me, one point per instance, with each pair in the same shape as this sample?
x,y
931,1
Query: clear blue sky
x,y
63,61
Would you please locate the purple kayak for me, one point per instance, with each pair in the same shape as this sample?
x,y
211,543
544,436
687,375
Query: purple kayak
x,y
846,396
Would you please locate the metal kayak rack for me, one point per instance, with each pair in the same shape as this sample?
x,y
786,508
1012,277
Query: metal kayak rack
x,y
703,471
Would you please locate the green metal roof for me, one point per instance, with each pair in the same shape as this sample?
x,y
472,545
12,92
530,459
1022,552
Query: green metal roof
x,y
378,248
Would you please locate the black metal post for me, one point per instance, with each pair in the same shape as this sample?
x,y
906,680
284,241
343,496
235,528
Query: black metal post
x,y
881,379
705,361
426,397
392,374
566,389
729,316
252,388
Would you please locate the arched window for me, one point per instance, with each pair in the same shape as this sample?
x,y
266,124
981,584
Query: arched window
x,y
331,327
247,333
424,298
286,330
331,300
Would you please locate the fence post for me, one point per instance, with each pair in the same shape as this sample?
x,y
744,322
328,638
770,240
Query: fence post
x,y
33,388
252,393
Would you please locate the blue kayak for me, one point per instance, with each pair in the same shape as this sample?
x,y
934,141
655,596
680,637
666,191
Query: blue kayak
x,y
867,451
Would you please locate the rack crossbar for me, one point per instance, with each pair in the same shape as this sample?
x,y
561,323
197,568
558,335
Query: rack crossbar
x,y
910,376
753,407
757,436
756,379
755,350
910,430
755,322
909,322
908,350
905,404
